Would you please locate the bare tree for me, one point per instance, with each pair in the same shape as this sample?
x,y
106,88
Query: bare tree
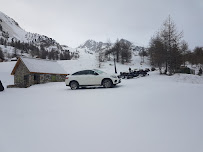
x,y
167,43
198,55
184,49
142,54
117,50
171,39
121,51
100,58
108,46
1,54
14,53
125,52
157,53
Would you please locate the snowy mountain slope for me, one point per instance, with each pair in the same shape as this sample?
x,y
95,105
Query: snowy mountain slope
x,y
12,28
14,31
93,45
88,60
8,50
11,31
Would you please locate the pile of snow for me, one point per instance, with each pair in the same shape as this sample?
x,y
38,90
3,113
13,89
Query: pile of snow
x,y
188,78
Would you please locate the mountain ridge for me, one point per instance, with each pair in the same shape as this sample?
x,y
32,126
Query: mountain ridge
x,y
11,31
14,39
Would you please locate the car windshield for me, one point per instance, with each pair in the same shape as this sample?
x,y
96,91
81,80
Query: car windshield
x,y
99,71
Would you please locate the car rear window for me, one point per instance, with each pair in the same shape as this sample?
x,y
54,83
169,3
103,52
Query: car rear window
x,y
84,72
99,71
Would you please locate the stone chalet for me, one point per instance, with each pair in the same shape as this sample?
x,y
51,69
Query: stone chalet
x,y
28,71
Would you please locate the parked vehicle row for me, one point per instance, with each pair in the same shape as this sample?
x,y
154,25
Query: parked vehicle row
x,y
135,73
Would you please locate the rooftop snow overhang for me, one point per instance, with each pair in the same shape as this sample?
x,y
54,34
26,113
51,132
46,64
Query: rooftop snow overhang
x,y
32,72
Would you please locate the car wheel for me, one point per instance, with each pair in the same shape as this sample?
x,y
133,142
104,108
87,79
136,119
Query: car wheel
x,y
74,85
107,83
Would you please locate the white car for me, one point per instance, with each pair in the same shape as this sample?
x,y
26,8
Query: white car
x,y
91,78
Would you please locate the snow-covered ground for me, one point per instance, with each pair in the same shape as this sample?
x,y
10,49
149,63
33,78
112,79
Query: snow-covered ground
x,y
5,73
148,114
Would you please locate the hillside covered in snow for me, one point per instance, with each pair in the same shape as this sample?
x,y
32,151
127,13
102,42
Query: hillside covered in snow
x,y
10,30
15,41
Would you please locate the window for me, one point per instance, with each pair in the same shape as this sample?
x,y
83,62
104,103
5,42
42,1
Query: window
x,y
36,78
77,73
93,72
53,78
98,71
84,72
88,72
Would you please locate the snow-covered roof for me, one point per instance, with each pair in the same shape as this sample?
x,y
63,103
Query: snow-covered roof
x,y
41,66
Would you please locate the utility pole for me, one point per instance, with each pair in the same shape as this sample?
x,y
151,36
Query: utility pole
x,y
115,64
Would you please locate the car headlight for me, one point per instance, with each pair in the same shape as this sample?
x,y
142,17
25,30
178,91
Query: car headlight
x,y
113,76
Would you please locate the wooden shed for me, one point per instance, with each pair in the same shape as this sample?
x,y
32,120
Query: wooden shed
x,y
29,71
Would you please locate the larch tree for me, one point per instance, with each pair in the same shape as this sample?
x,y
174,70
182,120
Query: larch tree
x,y
165,47
171,39
184,49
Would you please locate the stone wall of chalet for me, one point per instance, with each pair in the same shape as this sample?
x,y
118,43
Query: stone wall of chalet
x,y
44,78
19,76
